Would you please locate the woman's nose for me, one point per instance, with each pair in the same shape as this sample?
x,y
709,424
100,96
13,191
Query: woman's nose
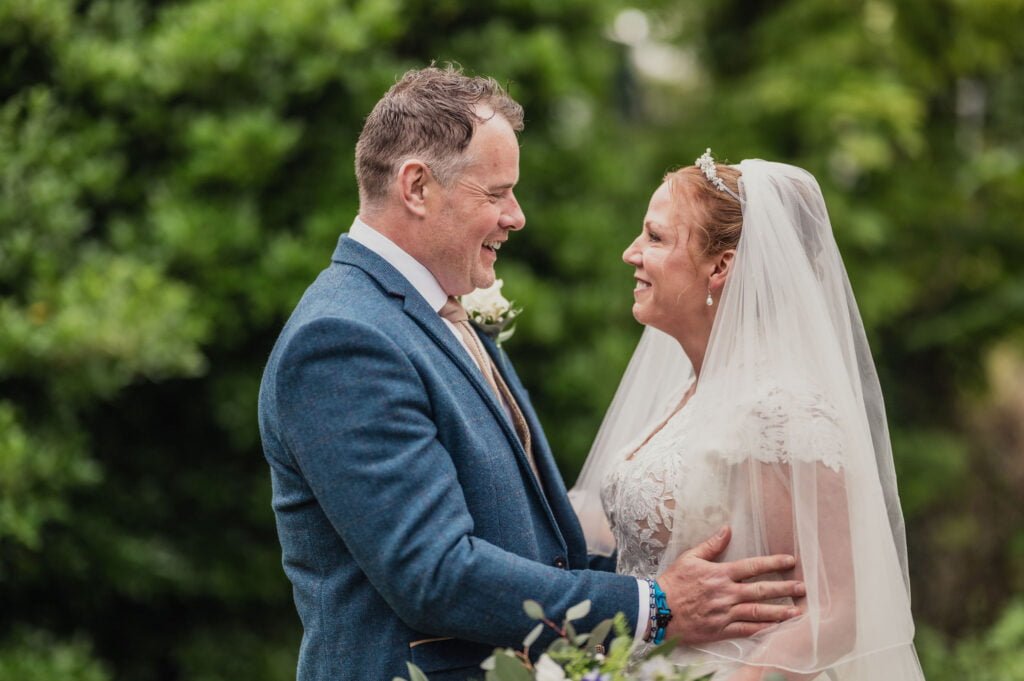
x,y
631,256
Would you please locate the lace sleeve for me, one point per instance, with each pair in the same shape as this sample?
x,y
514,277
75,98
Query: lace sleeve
x,y
787,426
788,468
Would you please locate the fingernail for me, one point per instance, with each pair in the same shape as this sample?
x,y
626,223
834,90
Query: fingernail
x,y
721,532
801,590
792,612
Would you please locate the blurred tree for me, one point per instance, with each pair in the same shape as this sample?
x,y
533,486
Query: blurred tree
x,y
994,656
33,656
175,173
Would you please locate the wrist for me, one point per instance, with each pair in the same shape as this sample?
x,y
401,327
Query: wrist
x,y
661,614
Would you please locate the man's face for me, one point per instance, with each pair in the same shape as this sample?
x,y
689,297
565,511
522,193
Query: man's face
x,y
472,218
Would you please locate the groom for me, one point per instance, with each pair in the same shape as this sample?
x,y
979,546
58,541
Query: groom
x,y
417,501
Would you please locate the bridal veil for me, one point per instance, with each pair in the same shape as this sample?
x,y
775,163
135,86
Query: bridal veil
x,y
791,418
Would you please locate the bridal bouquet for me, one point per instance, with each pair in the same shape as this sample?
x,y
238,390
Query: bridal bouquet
x,y
578,657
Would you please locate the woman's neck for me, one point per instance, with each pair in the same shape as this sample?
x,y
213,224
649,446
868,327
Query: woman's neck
x,y
695,345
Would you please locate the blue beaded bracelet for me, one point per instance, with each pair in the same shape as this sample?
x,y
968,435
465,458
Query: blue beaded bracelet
x,y
652,611
661,614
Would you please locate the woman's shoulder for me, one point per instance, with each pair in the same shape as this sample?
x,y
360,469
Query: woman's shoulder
x,y
786,419
781,398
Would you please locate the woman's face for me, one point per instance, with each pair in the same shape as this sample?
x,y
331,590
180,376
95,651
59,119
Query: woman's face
x,y
671,277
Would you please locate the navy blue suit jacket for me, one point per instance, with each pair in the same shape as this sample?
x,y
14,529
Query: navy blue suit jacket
x,y
411,526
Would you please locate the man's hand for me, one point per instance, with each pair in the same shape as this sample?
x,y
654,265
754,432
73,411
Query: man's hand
x,y
710,602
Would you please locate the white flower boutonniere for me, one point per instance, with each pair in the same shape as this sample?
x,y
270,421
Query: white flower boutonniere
x,y
491,311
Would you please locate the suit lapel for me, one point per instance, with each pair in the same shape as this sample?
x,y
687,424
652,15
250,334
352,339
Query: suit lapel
x,y
352,253
542,452
391,280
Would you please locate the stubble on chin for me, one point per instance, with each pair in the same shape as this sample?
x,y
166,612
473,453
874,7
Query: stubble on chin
x,y
484,280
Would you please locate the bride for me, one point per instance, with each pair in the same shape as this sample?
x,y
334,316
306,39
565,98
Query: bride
x,y
752,400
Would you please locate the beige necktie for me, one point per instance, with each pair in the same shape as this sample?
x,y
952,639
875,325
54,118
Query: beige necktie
x,y
456,314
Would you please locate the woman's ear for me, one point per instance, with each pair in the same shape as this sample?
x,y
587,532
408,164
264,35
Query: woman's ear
x,y
414,179
722,268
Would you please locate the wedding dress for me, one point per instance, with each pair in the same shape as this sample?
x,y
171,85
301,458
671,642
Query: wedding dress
x,y
784,439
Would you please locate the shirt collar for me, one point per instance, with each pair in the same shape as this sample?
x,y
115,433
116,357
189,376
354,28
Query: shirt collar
x,y
422,280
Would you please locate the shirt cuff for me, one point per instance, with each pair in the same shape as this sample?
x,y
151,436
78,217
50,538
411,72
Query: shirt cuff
x,y
643,613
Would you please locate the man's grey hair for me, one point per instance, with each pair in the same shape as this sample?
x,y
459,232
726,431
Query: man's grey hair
x,y
429,114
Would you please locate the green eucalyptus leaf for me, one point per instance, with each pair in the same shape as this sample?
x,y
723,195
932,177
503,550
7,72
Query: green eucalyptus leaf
x,y
578,611
533,609
510,668
415,673
599,634
620,642
534,634
558,646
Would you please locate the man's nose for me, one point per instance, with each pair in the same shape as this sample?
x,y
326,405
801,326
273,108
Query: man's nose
x,y
512,217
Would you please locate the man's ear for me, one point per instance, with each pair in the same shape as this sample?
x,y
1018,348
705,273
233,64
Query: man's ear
x,y
723,263
414,186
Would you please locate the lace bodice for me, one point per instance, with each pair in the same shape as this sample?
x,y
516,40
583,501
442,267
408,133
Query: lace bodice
x,y
672,492
651,497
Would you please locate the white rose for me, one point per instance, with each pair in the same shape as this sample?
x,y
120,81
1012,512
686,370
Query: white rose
x,y
547,669
488,302
657,668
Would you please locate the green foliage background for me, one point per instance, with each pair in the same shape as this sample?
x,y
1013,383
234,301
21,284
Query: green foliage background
x,y
174,173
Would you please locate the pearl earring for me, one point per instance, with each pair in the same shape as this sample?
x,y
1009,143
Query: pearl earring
x,y
710,301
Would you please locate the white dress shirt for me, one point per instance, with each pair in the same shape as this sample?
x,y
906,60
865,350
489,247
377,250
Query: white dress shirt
x,y
426,285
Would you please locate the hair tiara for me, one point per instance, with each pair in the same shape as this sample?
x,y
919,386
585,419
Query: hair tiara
x,y
706,163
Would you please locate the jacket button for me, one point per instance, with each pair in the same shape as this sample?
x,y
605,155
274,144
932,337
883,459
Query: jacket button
x,y
560,562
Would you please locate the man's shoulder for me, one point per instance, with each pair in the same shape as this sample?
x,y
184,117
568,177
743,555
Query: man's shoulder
x,y
340,288
342,308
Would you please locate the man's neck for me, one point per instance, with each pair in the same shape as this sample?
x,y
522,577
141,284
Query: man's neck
x,y
415,272
393,224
